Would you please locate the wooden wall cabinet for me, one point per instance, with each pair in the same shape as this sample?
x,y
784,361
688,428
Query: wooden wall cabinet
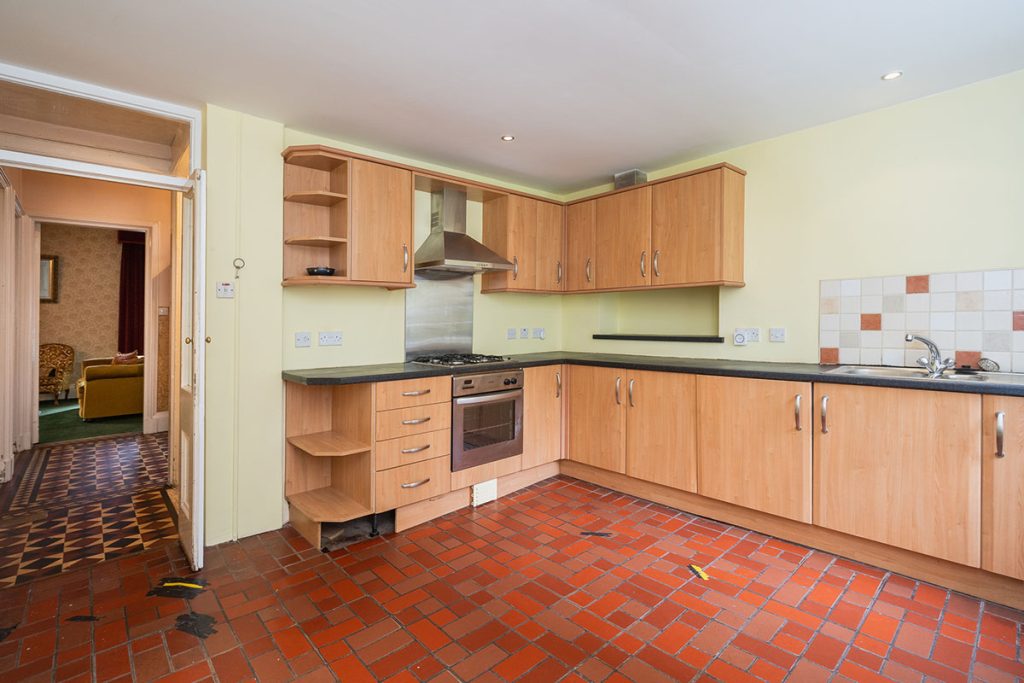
x,y
754,447
623,251
580,246
900,466
543,388
529,233
632,422
1002,484
353,215
697,229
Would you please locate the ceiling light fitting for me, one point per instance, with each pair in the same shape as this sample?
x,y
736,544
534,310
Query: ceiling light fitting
x,y
892,75
508,138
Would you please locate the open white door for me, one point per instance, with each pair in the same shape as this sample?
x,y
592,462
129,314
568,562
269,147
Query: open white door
x,y
192,357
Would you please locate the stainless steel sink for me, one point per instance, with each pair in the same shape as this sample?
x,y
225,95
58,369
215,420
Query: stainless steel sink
x,y
919,373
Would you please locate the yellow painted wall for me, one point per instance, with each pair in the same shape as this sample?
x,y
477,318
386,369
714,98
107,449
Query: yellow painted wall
x,y
927,186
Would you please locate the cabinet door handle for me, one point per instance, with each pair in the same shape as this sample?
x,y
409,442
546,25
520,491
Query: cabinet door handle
x,y
558,273
558,385
632,383
515,267
618,391
416,422
415,484
797,411
422,392
405,257
418,449
1000,434
657,259
643,263
587,268
824,414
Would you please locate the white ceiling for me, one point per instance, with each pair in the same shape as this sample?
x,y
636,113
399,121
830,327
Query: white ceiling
x,y
588,87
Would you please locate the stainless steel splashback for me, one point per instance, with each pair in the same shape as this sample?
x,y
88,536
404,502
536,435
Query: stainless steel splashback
x,y
439,316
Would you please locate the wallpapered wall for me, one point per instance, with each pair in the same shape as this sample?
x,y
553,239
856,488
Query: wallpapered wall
x,y
85,315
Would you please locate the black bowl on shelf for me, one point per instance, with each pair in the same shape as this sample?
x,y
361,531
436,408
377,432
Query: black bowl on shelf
x,y
320,270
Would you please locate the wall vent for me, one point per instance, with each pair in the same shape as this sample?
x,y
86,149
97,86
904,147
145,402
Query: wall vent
x,y
630,178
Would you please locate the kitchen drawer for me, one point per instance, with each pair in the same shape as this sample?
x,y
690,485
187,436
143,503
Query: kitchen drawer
x,y
413,392
417,447
410,483
392,424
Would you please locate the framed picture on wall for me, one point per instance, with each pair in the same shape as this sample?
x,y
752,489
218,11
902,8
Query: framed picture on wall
x,y
48,279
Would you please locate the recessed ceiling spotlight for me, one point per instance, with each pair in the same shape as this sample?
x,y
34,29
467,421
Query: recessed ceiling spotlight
x,y
892,75
508,138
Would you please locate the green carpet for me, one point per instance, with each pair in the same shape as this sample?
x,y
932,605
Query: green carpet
x,y
61,423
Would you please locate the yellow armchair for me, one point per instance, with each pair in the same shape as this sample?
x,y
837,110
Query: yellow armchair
x,y
107,390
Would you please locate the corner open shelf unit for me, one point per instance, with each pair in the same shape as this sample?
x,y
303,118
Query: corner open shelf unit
x,y
316,214
328,454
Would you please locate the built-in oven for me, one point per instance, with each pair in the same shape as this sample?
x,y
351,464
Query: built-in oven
x,y
487,417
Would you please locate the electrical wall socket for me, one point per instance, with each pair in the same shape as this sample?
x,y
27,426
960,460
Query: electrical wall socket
x,y
511,333
538,333
303,340
524,332
330,339
777,334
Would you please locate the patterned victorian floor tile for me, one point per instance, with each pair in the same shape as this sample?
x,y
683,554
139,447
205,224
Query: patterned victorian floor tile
x,y
511,590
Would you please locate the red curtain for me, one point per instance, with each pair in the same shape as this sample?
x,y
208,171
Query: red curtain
x,y
131,319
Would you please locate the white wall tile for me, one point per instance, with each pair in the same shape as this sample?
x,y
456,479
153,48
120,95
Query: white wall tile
x,y
1018,341
970,301
871,304
849,287
893,339
829,322
1018,278
849,340
998,279
893,357
830,288
1018,362
849,321
871,286
894,303
849,356
828,339
870,339
969,320
910,357
870,356
1018,300
969,282
996,321
850,304
996,341
942,282
829,304
942,321
917,302
894,321
968,340
918,323
1004,359
998,300
944,301
894,285
946,341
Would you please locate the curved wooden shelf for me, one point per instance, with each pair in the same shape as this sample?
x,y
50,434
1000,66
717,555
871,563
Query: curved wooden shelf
x,y
317,157
316,197
328,444
315,241
303,280
328,504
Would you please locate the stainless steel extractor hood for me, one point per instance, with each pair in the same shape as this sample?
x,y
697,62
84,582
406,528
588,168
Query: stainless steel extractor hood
x,y
449,251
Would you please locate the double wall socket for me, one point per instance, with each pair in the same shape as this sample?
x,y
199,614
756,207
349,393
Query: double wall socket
x,y
330,339
524,333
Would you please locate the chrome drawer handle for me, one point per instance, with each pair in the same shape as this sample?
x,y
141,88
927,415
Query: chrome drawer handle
x,y
589,279
797,410
618,391
657,258
416,422
405,258
632,383
558,385
643,264
558,273
1000,434
515,267
415,484
416,450
824,414
424,392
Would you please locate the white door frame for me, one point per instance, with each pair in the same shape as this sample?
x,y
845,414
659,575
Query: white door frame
x,y
152,420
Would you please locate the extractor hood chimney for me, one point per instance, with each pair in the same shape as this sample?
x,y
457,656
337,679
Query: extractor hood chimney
x,y
449,251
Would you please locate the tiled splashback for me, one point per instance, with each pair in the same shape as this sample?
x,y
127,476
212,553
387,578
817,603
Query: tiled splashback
x,y
969,315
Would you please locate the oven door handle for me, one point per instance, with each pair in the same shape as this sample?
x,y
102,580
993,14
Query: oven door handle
x,y
497,397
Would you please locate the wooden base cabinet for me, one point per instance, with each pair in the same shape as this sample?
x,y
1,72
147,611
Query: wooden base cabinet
x,y
543,388
900,466
632,422
1002,482
754,444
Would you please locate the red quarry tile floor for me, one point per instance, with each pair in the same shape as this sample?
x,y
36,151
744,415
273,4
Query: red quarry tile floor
x,y
511,591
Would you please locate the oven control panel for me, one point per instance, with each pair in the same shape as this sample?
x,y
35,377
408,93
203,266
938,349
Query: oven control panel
x,y
487,382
